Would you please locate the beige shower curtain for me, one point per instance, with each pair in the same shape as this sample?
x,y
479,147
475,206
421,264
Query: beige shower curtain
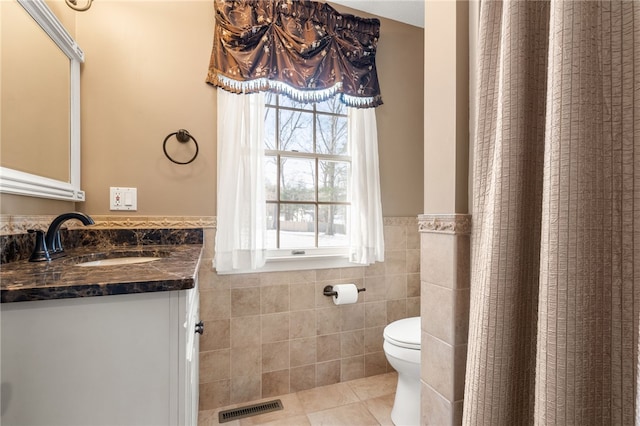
x,y
553,331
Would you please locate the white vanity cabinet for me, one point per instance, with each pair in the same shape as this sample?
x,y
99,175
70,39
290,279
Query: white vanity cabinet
x,y
107,360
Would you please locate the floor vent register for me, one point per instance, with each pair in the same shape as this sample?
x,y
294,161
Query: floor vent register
x,y
249,410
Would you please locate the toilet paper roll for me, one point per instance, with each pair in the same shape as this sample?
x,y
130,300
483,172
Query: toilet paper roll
x,y
346,293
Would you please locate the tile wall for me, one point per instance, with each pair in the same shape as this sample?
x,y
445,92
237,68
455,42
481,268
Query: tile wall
x,y
445,292
269,334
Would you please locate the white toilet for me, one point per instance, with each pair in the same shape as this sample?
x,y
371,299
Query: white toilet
x,y
402,348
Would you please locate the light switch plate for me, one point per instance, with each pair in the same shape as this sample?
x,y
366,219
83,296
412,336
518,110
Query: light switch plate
x,y
123,198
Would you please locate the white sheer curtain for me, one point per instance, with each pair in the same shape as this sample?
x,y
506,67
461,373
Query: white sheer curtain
x,y
241,221
366,224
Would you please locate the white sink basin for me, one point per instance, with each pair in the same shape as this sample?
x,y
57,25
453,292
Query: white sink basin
x,y
119,261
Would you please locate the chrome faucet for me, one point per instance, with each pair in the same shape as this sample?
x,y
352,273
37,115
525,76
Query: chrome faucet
x,y
49,246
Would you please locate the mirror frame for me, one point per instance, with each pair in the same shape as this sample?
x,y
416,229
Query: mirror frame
x,y
21,183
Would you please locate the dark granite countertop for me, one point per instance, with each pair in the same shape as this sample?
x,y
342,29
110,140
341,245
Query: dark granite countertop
x,y
62,278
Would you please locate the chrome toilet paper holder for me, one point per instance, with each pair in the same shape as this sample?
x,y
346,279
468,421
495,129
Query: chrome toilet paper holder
x,y
328,291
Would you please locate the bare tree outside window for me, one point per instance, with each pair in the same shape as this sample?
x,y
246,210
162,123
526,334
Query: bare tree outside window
x,y
307,163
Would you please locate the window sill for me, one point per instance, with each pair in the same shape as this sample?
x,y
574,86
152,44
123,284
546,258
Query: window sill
x,y
297,263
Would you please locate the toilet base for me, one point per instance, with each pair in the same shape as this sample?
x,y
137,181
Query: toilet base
x,y
406,406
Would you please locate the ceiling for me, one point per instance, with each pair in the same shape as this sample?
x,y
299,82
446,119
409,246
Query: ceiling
x,y
407,11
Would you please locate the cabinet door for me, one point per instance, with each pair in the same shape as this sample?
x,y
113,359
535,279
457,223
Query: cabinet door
x,y
94,360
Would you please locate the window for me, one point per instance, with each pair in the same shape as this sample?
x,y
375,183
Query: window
x,y
298,185
307,166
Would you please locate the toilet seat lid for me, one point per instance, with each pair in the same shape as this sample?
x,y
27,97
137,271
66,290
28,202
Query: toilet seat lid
x,y
404,333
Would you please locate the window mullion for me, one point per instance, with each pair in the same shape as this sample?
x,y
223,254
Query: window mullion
x,y
317,174
337,203
296,154
278,172
278,226
317,198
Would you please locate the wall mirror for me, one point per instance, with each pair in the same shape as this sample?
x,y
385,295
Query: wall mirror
x,y
40,103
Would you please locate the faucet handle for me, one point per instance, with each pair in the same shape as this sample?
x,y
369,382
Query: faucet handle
x,y
40,252
56,243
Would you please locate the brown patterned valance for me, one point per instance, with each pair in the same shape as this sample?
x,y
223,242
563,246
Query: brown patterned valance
x,y
300,48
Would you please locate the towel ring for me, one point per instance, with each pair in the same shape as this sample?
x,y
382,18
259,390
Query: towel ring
x,y
183,136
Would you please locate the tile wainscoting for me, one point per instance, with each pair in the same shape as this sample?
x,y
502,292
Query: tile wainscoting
x,y
274,333
445,290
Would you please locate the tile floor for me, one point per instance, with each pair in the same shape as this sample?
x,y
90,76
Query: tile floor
x,y
366,401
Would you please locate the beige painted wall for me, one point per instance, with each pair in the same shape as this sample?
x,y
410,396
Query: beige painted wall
x,y
446,107
144,78
18,205
400,62
444,250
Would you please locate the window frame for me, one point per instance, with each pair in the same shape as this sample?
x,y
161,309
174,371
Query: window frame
x,y
307,257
